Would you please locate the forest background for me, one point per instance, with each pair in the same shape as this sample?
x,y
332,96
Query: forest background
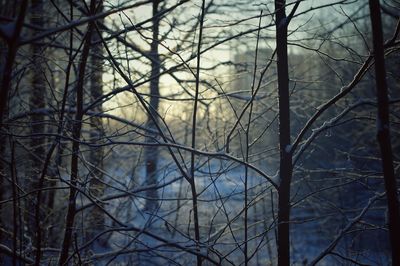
x,y
199,132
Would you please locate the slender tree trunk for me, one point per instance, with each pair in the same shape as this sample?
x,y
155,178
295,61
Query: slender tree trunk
x,y
4,7
96,132
37,98
248,147
284,136
383,134
8,54
57,145
194,124
38,91
77,125
151,153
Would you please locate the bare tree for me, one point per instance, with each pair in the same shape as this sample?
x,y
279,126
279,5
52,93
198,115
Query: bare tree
x,y
286,168
76,131
214,132
151,154
97,186
383,128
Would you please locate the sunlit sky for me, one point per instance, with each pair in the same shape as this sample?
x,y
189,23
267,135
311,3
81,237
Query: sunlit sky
x,y
218,24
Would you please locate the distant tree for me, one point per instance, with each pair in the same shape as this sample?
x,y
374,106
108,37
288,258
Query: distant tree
x,y
179,132
151,153
10,37
97,185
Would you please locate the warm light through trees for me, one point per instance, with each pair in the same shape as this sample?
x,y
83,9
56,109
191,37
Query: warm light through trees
x,y
205,132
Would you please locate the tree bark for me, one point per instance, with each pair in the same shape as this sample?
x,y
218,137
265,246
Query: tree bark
x,y
284,135
383,132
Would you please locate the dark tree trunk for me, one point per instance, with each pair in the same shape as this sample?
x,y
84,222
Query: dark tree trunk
x,y
38,92
5,9
36,101
8,52
12,47
151,155
383,134
284,136
76,134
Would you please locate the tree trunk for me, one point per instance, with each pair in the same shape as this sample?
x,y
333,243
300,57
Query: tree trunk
x,y
151,153
12,47
76,133
284,135
96,220
37,96
38,81
9,47
383,134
